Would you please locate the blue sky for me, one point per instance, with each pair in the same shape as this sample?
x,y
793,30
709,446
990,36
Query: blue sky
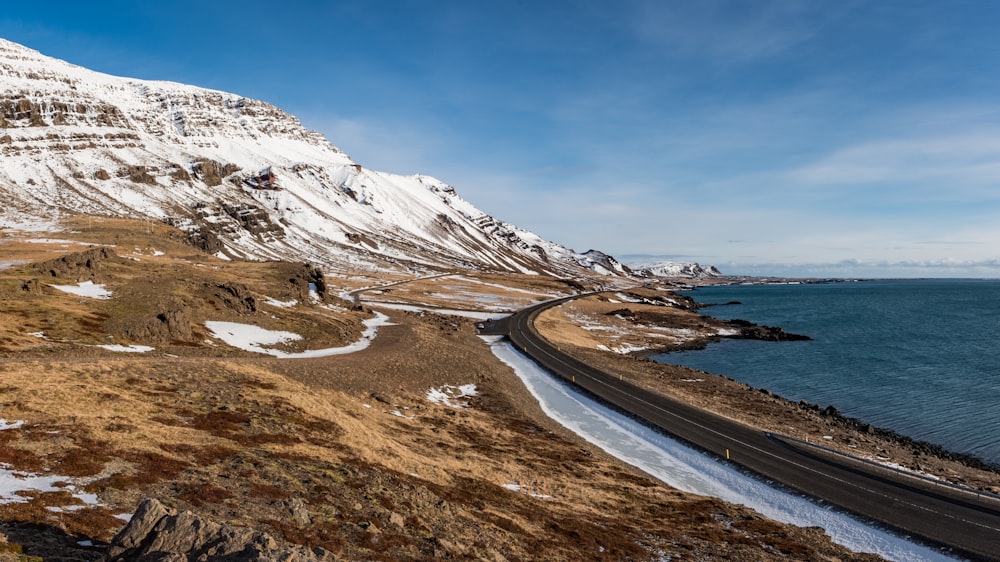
x,y
766,137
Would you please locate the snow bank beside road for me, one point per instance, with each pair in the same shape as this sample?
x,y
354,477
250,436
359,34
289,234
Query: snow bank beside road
x,y
686,469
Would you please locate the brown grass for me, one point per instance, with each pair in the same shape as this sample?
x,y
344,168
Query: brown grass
x,y
235,436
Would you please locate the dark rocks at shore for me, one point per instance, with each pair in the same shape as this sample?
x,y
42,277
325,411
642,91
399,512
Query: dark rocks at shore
x,y
916,446
745,331
711,304
750,331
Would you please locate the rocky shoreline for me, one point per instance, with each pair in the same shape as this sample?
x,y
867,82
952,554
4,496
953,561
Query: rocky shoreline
x,y
749,330
755,406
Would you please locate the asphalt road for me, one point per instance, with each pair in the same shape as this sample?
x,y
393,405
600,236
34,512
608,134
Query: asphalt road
x,y
946,516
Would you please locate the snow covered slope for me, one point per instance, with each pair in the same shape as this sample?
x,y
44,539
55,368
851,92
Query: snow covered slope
x,y
242,176
673,269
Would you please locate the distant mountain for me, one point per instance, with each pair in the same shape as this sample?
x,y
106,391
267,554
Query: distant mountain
x,y
242,177
645,266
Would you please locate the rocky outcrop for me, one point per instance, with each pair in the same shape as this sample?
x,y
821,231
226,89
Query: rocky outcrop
x,y
206,240
211,172
81,266
237,297
137,174
305,277
156,533
254,220
32,287
172,324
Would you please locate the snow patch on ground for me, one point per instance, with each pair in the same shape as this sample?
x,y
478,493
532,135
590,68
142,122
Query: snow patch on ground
x,y
507,288
626,348
249,337
515,487
5,425
9,263
13,483
452,396
280,304
692,471
429,310
87,289
127,348
51,241
254,338
29,225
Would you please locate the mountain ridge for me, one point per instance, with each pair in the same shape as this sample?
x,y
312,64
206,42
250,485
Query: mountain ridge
x,y
80,141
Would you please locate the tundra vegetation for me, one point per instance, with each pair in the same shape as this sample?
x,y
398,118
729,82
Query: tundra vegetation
x,y
344,453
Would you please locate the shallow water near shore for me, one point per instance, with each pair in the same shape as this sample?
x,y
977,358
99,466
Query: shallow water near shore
x,y
921,357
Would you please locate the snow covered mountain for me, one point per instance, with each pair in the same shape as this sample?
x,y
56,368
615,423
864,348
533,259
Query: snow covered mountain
x,y
244,178
673,269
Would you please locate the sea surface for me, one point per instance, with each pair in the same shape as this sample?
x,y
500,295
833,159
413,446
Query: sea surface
x,y
921,357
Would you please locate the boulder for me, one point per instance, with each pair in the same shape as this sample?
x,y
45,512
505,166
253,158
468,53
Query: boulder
x,y
157,533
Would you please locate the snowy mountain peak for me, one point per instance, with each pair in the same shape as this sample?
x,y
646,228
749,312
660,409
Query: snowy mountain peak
x,y
675,269
243,177
599,261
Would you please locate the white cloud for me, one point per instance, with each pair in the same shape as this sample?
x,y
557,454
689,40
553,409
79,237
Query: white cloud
x,y
731,31
960,160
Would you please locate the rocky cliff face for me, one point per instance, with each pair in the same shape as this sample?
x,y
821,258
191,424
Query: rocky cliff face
x,y
244,178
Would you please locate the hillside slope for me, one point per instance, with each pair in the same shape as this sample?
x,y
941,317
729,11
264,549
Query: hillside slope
x,y
244,178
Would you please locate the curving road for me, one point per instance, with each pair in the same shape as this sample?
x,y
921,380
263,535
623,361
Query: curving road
x,y
951,517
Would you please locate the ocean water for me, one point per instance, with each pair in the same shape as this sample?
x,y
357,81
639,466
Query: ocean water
x,y
921,357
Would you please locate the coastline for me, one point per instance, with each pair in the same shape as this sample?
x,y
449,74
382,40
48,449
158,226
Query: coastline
x,y
924,447
681,466
756,407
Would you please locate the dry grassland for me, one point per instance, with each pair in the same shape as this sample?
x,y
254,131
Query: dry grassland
x,y
343,452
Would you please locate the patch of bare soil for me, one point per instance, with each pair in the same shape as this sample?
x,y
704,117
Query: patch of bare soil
x,y
589,327
345,453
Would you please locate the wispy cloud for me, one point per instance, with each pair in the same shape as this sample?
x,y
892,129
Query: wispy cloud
x,y
966,160
728,30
